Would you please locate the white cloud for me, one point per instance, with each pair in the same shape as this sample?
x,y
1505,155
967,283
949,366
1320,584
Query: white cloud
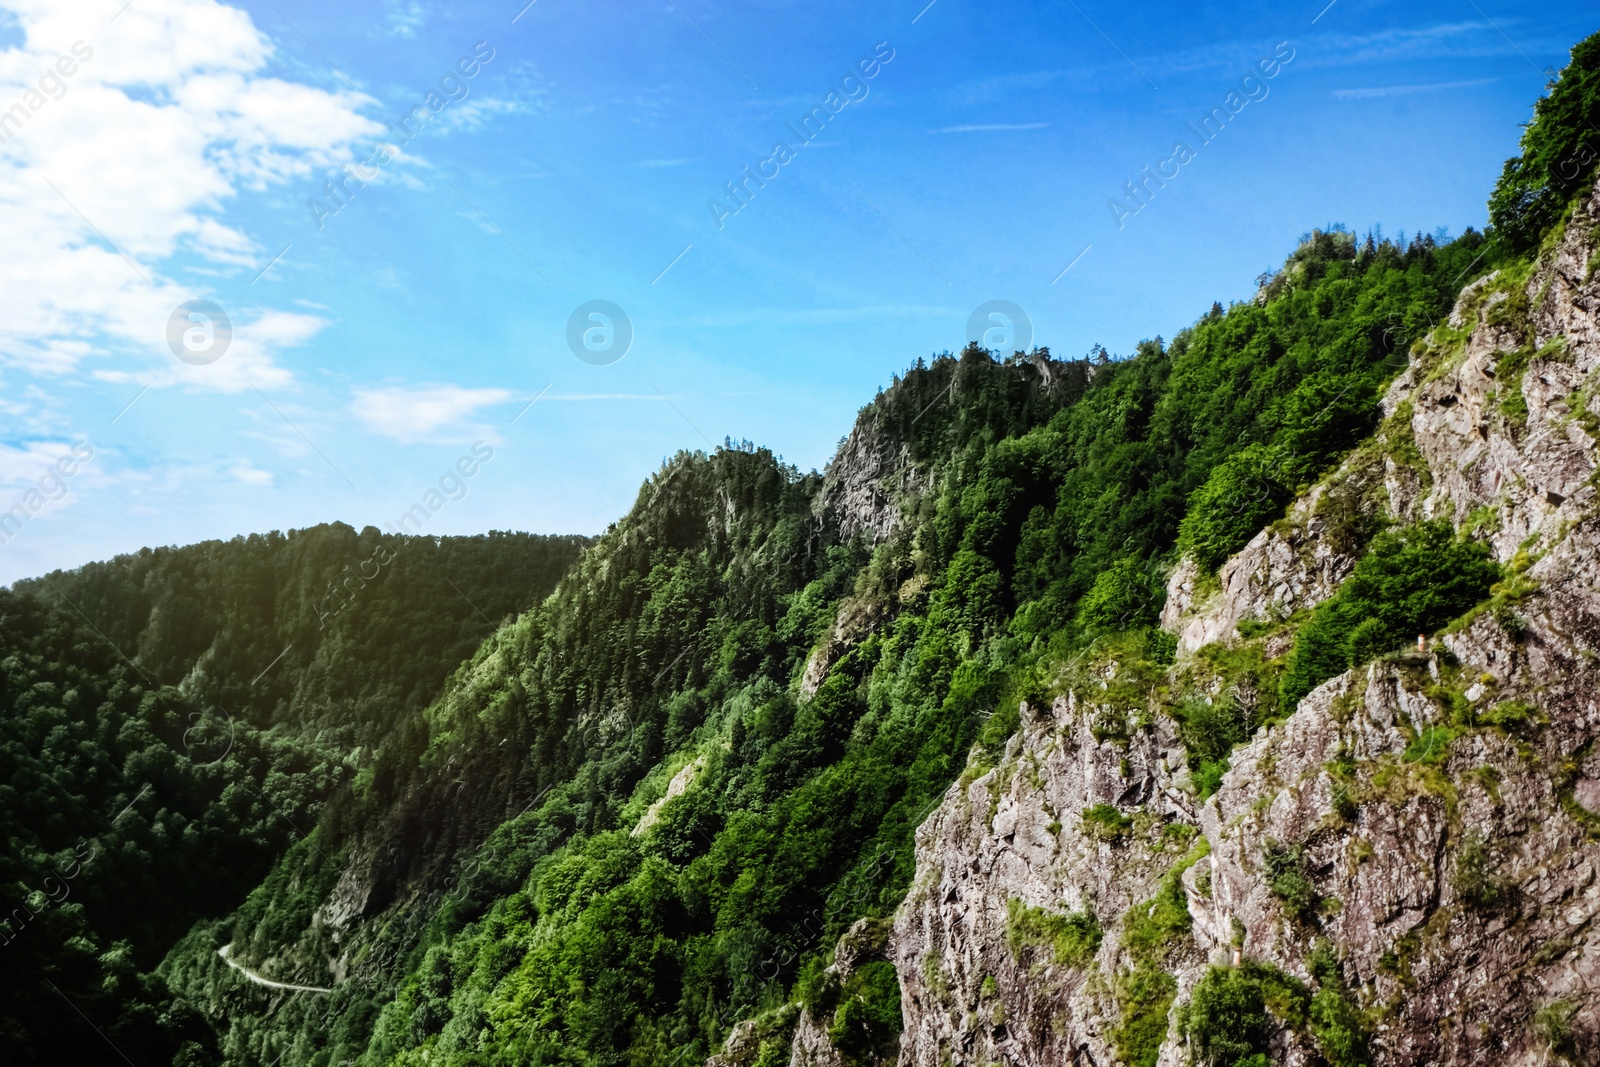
x,y
410,415
653,397
247,362
993,127
1383,91
24,462
275,429
814,316
250,474
405,17
166,119
30,411
51,469
473,113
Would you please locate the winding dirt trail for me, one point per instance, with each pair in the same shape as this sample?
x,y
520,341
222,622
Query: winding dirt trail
x,y
224,952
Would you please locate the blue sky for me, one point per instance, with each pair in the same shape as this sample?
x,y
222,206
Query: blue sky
x,y
372,345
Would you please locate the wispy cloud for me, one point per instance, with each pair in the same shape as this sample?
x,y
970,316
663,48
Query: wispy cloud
x,y
992,127
405,17
814,316
22,463
996,87
656,397
415,414
246,472
1467,39
474,113
1378,92
248,361
1464,39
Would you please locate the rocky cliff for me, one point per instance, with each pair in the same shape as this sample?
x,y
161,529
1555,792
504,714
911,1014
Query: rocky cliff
x,y
1399,871
866,480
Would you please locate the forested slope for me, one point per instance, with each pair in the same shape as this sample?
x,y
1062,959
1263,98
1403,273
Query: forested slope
x,y
1357,822
507,889
155,760
325,629
670,811
128,812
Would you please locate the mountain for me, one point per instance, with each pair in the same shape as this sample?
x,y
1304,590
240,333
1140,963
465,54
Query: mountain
x,y
645,813
1395,860
1230,703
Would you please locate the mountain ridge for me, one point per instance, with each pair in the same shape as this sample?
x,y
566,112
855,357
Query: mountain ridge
x,y
951,449
1070,715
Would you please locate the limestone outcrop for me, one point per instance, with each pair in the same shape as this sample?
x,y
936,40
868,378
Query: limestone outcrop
x,y
1415,845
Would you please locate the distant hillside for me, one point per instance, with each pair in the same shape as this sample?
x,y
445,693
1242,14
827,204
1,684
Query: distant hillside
x,y
172,721
325,629
127,813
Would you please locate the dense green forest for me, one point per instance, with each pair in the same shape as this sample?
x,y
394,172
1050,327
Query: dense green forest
x,y
342,633
501,876
128,813
156,758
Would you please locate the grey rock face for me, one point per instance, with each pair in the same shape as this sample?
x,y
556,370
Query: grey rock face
x,y
1452,871
1273,576
854,621
1015,835
811,1046
864,483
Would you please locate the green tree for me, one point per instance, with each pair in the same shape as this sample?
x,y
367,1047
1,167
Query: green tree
x,y
1410,581
1123,597
1244,491
1560,150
